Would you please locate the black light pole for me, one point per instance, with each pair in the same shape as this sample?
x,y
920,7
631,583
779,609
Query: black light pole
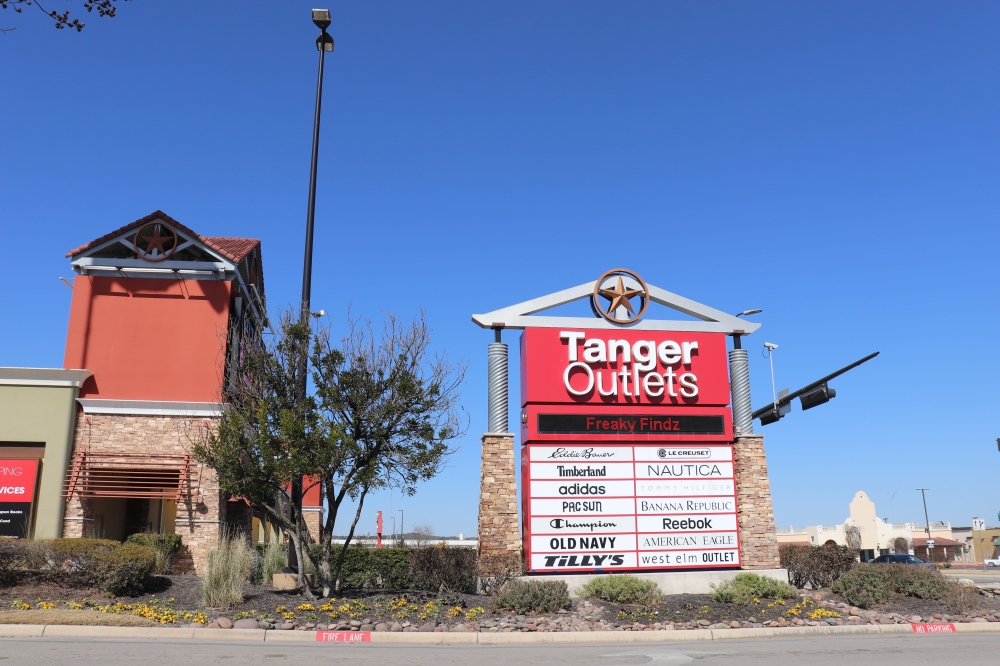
x,y
324,43
923,494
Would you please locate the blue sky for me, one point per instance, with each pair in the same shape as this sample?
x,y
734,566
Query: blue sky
x,y
835,164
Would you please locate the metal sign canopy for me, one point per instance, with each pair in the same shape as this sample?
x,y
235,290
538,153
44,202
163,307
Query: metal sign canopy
x,y
611,286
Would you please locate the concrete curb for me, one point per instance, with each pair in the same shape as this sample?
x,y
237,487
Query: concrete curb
x,y
472,638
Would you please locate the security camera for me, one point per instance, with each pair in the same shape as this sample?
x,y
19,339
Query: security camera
x,y
771,345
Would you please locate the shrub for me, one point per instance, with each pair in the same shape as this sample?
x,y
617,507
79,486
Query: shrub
x,y
165,545
227,567
919,582
622,589
743,588
960,598
496,569
126,569
370,568
273,559
18,555
536,596
865,585
443,569
817,567
78,558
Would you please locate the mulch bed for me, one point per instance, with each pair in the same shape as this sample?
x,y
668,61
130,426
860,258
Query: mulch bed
x,y
371,611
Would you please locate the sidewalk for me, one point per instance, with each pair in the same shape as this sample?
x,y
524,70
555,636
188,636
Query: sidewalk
x,y
480,638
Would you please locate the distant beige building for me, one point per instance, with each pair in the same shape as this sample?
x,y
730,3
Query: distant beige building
x,y
878,537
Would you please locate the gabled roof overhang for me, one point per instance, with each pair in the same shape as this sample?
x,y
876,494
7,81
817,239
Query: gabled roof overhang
x,y
708,319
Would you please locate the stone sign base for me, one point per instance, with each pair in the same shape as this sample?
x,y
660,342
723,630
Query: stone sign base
x,y
498,510
669,582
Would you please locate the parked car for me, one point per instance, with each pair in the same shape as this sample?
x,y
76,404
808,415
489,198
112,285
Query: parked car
x,y
902,558
992,563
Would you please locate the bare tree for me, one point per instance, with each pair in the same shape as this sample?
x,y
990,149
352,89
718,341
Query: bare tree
x,y
61,21
900,545
423,533
852,535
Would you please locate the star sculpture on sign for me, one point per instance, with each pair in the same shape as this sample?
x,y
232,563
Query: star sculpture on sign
x,y
620,296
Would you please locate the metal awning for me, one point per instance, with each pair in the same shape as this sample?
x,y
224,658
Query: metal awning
x,y
127,475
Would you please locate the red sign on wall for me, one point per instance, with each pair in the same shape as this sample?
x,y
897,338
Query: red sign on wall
x,y
623,367
17,493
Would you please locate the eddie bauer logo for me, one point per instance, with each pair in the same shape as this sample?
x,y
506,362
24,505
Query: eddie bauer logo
x,y
586,454
562,523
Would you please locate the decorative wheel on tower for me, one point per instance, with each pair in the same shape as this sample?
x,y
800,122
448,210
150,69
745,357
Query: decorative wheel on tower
x,y
155,241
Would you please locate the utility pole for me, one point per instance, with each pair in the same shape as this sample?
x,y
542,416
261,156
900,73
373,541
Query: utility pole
x,y
930,542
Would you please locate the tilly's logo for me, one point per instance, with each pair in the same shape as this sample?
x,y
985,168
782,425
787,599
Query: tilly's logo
x,y
620,307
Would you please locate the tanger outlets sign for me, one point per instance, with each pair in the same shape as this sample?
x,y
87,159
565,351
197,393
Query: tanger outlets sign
x,y
17,492
645,506
623,367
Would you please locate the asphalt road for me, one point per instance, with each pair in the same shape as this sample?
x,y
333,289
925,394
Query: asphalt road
x,y
900,650
991,576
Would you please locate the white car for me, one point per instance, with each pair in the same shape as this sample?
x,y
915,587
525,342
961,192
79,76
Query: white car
x,y
992,563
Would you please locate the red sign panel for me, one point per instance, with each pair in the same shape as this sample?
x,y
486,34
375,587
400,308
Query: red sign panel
x,y
17,492
632,507
623,367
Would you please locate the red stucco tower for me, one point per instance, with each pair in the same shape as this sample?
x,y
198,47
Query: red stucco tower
x,y
159,315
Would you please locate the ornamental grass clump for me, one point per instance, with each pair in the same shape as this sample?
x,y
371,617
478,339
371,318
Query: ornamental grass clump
x,y
622,589
227,568
745,589
273,559
534,596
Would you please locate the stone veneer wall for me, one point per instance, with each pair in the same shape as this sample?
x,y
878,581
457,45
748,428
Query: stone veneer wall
x,y
758,534
313,518
201,510
498,513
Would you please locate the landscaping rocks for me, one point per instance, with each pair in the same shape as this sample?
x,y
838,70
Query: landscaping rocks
x,y
224,623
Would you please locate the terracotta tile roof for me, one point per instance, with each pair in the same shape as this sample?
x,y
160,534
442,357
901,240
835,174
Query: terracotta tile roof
x,y
937,542
234,249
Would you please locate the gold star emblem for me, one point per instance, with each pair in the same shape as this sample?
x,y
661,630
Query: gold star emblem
x,y
619,296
